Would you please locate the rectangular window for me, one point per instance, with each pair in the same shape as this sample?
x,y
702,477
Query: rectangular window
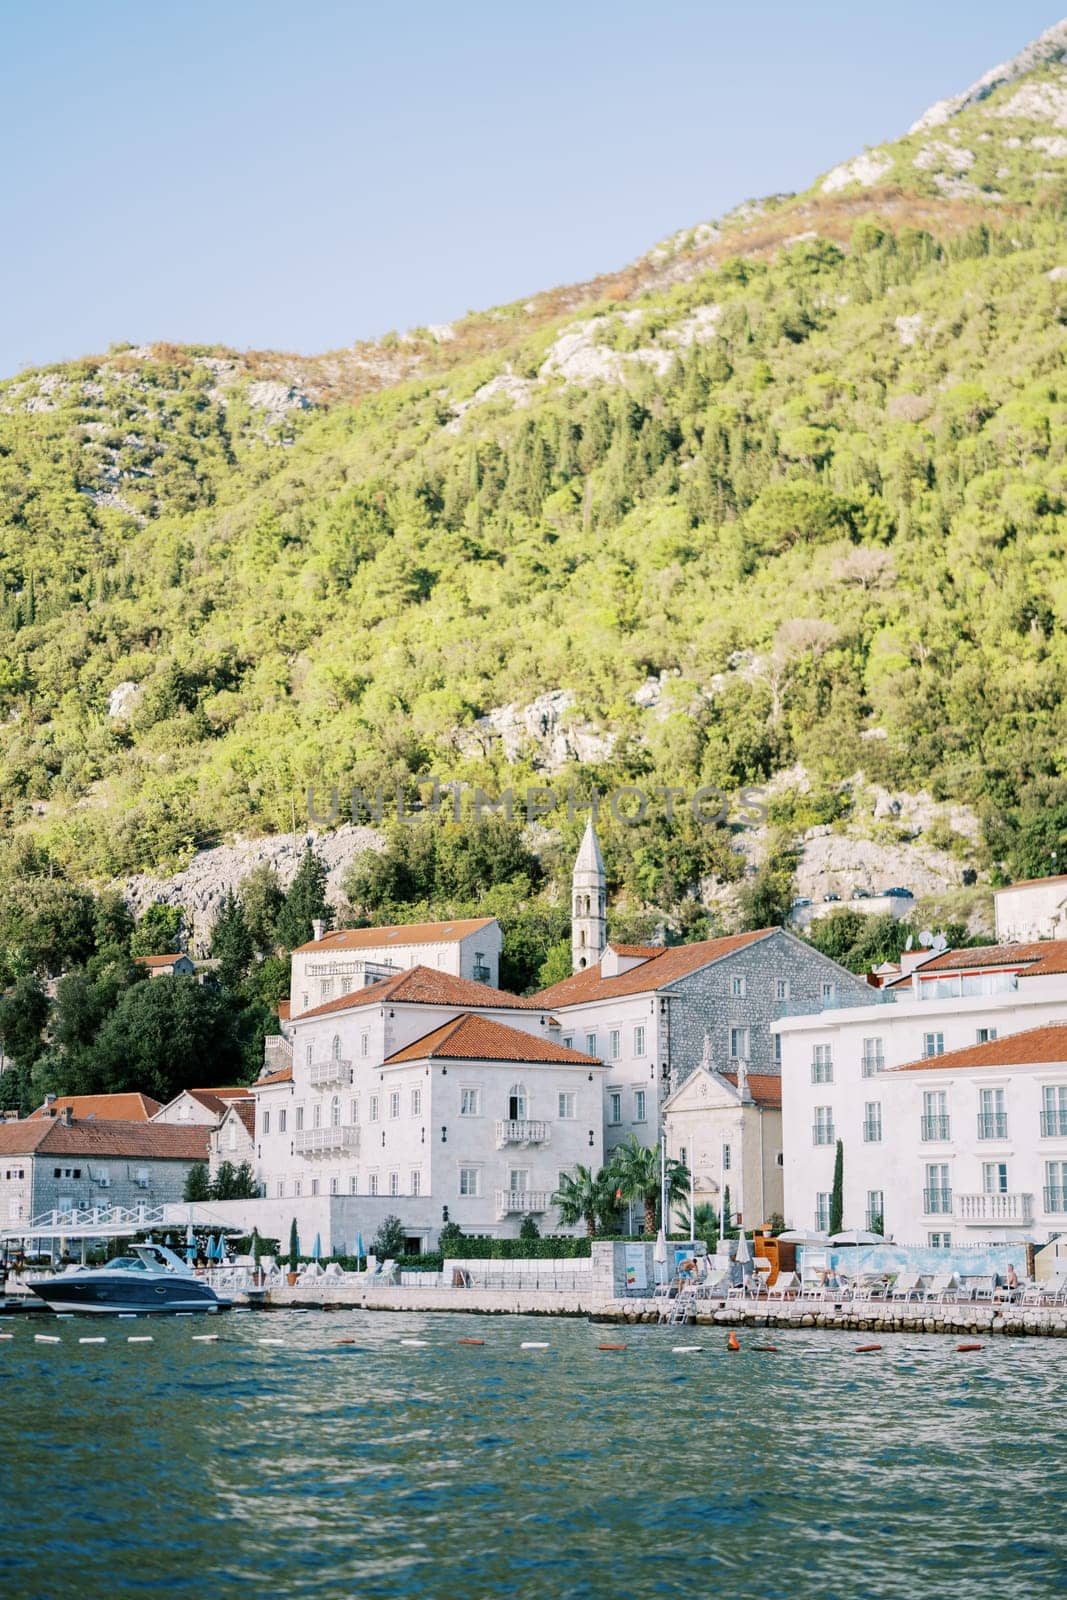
x,y
568,1041
298,1189
614,1043
314,1186
937,1192
470,1103
781,989
739,1039
266,1125
283,1119
299,1118
823,1130
1055,1195
985,1035
1054,1111
639,1041
872,1122
738,988
416,1181
353,1112
469,1184
939,1241
822,1212
394,1104
827,993
372,1183
352,1185
639,1105
394,1183
281,1188
364,1043
822,1064
416,1102
873,1057
518,1180
726,1158
994,1177
333,1185
614,1107
933,1045
992,1117
568,1105
934,1123
374,1108
326,988
777,1049
875,1210
590,1044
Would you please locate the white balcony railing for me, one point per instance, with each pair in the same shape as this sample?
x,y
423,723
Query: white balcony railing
x,y
324,1073
1013,1210
326,1141
521,1130
522,1202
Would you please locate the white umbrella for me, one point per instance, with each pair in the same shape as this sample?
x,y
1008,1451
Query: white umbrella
x,y
856,1236
743,1254
804,1236
659,1254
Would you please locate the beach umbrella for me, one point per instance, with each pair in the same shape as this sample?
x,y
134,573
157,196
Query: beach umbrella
x,y
659,1255
216,1248
255,1247
856,1236
190,1254
742,1255
360,1252
316,1248
169,1242
804,1236
190,1236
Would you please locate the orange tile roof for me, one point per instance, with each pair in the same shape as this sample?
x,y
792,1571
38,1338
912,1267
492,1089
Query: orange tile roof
x,y
644,951
156,1141
764,1087
161,961
1031,1047
1032,883
284,1075
427,987
402,933
246,1111
130,1107
665,967
1043,958
469,1038
216,1100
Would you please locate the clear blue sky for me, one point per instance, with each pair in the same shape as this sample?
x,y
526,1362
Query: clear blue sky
x,y
298,176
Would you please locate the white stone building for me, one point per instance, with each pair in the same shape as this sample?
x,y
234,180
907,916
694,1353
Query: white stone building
x,y
727,1129
433,1096
836,1084
201,1107
1036,909
233,1138
335,964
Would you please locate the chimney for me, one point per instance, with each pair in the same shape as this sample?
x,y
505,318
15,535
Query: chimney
x,y
318,928
49,1101
68,1116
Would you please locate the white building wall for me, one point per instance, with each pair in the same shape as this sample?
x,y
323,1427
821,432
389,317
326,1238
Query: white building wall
x,y
633,1066
1031,911
326,973
889,1165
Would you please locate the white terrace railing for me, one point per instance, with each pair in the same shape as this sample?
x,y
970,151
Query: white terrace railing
x,y
522,1202
1011,1209
332,1071
520,1130
325,1141
81,1217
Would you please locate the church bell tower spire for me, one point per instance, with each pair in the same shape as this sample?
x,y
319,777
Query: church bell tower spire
x,y
589,901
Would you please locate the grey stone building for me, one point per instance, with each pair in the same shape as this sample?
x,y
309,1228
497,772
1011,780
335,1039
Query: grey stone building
x,y
64,1165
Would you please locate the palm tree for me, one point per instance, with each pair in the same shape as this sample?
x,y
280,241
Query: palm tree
x,y
636,1171
585,1196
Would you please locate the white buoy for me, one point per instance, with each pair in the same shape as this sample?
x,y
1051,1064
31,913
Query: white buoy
x,y
271,1341
96,1340
415,1341
532,1344
7,1335
139,1338
47,1338
685,1349
204,1338
127,1316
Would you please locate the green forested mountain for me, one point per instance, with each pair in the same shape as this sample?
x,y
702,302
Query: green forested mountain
x,y
808,463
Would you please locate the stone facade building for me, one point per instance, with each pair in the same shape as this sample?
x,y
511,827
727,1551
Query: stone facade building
x,y
727,1129
334,964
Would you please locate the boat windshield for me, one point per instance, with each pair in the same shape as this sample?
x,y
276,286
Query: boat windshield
x,y
126,1264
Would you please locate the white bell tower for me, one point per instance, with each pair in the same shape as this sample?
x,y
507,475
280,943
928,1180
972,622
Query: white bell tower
x,y
589,903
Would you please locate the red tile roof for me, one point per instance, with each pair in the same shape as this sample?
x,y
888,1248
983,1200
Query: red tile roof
x,y
764,1087
426,987
403,933
149,1141
246,1111
1041,959
1033,1046
216,1100
644,951
131,1107
469,1038
285,1075
665,967
162,961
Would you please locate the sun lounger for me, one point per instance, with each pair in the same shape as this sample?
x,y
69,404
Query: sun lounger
x,y
784,1287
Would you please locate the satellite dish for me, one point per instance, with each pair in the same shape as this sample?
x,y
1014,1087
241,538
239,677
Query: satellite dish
x,y
940,943
926,939
909,942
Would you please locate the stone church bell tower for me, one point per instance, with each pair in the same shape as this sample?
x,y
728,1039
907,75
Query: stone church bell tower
x,y
589,928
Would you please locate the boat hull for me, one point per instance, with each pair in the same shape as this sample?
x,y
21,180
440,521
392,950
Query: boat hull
x,y
120,1294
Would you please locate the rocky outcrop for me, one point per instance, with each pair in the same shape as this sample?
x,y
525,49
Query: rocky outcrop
x,y
1050,46
544,732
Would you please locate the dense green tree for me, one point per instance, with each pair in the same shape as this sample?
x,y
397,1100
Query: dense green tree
x,y
234,1183
262,900
197,1182
588,1197
304,903
163,1036
231,942
635,1170
23,1015
158,931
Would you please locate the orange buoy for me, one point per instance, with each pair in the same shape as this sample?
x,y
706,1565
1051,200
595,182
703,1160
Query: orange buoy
x,y
866,1349
611,1347
733,1342
470,1341
766,1347
962,1347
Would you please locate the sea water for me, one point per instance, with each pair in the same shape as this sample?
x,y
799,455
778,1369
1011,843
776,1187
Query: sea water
x,y
386,1467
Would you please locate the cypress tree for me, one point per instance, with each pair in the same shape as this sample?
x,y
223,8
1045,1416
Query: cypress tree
x,y
837,1194
305,902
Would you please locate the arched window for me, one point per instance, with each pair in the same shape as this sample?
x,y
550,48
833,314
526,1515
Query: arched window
x,y
517,1102
335,1112
337,1047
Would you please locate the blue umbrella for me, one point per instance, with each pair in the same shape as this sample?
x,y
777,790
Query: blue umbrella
x,y
190,1237
190,1254
216,1248
169,1242
316,1248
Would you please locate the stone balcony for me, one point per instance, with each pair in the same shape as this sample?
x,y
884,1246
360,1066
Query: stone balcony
x,y
328,1074
997,1210
521,1130
522,1202
326,1141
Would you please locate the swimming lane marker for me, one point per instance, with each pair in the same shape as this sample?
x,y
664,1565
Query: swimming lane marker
x,y
611,1347
139,1338
867,1349
685,1349
93,1341
205,1338
419,1342
532,1344
470,1341
962,1347
47,1338
271,1341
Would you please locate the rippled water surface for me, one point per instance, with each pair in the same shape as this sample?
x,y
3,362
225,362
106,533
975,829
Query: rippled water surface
x,y
375,1468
